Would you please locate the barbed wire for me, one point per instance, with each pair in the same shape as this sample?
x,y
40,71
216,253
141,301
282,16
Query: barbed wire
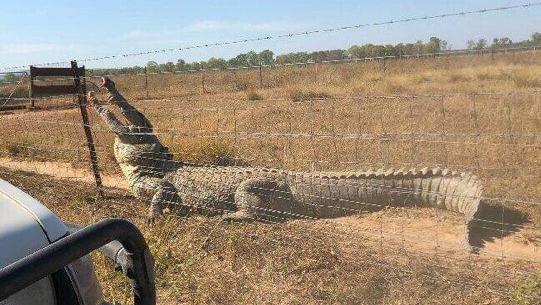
x,y
10,96
334,61
390,239
289,35
343,173
404,96
353,59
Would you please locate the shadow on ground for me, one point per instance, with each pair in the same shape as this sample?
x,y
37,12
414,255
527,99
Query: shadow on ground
x,y
494,221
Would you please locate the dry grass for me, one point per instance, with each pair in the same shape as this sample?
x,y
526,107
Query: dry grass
x,y
252,95
299,95
438,75
204,261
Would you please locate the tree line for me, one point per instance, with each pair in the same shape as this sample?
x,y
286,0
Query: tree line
x,y
504,43
268,58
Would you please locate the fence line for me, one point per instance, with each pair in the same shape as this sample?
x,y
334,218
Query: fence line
x,y
344,173
338,61
375,186
450,53
428,244
408,96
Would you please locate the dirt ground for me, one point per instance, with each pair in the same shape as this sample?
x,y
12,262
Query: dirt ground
x,y
394,256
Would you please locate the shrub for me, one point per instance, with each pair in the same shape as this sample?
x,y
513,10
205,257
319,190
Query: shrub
x,y
526,80
253,96
454,78
14,150
483,76
214,151
241,85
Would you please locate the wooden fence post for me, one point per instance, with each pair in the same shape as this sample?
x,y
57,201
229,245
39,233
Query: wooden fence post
x,y
82,102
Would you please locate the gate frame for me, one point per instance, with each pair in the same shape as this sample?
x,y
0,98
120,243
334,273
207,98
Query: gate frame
x,y
78,89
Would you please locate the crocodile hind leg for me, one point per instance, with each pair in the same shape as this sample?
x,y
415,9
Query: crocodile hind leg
x,y
261,199
166,195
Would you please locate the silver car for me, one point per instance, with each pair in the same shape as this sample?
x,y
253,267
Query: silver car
x,y
44,261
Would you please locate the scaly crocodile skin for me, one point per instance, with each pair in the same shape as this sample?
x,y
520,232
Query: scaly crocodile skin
x,y
261,193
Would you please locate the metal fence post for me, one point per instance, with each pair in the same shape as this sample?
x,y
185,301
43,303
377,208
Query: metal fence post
x,y
203,81
260,74
82,101
146,82
30,91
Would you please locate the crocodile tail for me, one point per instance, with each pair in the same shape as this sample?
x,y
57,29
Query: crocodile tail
x,y
439,188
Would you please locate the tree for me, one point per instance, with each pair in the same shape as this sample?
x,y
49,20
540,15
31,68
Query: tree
x,y
419,45
168,67
536,39
292,58
11,78
216,63
240,60
252,59
266,57
500,43
152,67
479,45
181,65
433,45
445,45
356,51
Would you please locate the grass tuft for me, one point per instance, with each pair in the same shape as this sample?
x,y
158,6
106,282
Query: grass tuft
x,y
528,293
300,95
252,95
526,80
215,152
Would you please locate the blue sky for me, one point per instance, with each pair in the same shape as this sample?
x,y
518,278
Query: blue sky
x,y
34,32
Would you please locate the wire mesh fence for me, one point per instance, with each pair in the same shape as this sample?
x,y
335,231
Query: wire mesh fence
x,y
349,194
494,136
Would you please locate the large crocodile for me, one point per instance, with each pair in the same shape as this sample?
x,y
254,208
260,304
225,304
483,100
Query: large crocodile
x,y
272,194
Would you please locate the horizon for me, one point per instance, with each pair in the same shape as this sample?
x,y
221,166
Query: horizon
x,y
135,28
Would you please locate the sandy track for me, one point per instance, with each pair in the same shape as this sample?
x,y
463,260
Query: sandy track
x,y
426,231
422,230
62,170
